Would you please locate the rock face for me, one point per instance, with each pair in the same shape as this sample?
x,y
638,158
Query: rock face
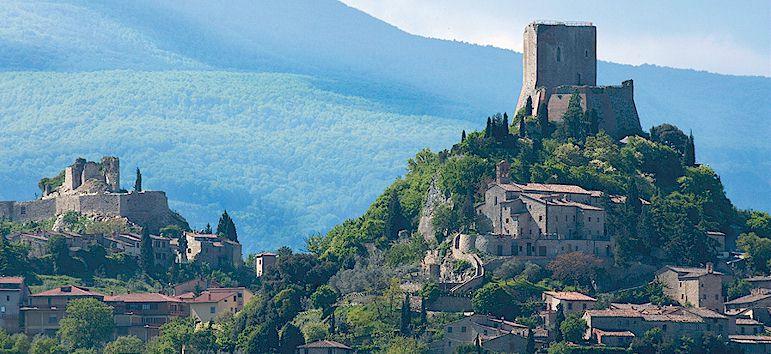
x,y
94,188
434,199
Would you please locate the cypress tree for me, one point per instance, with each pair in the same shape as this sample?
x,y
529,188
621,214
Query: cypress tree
x,y
488,128
529,106
543,118
226,227
395,220
146,251
406,315
207,230
138,181
522,126
463,136
505,127
559,318
423,310
530,348
690,152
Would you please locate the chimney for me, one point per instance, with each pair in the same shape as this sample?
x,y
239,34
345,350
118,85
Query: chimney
x,y
709,268
502,172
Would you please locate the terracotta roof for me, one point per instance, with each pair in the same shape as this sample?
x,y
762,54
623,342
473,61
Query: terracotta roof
x,y
748,299
553,188
325,344
68,290
570,296
208,296
750,339
141,297
613,333
747,322
11,280
704,312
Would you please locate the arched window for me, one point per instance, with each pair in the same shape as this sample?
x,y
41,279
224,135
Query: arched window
x,y
559,54
586,53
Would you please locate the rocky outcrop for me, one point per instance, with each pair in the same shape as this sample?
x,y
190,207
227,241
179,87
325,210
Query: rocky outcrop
x,y
434,198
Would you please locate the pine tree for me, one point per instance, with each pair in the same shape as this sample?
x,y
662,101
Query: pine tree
x,y
505,127
689,158
543,118
226,227
146,251
463,136
488,128
207,229
332,321
406,315
138,181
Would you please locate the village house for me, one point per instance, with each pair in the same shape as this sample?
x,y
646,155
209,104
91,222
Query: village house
x,y
216,302
324,347
674,321
752,344
571,301
621,339
760,282
37,242
45,309
195,286
128,243
13,294
213,250
141,314
699,287
263,262
492,334
756,306
536,220
163,253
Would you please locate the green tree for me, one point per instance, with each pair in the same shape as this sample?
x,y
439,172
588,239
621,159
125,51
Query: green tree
x,y
174,335
138,181
289,338
125,345
671,136
395,220
60,254
759,250
147,256
689,155
738,288
88,323
406,316
46,345
493,299
573,122
575,268
226,227
558,319
573,328
530,347
324,297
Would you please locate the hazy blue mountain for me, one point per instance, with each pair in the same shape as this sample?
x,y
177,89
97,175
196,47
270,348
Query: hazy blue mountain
x,y
294,114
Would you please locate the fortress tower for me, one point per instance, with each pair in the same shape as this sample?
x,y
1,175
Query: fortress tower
x,y
559,59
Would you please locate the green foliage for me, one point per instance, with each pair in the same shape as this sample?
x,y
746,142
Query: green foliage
x,y
17,343
676,225
46,345
289,338
758,222
138,181
404,345
573,328
324,297
669,135
430,291
508,299
51,183
575,268
759,250
404,253
226,227
738,288
652,292
146,254
88,323
125,345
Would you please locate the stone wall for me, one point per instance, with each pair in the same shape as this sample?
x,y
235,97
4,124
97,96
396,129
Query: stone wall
x,y
614,105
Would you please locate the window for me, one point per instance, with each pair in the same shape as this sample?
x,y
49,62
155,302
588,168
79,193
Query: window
x,y
570,306
2,309
449,329
559,54
586,53
52,319
212,309
7,298
463,329
540,217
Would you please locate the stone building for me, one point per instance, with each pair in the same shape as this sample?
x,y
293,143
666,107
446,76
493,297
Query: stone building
x,y
13,294
212,249
757,299
142,314
759,282
560,59
324,347
492,334
674,321
263,262
571,301
535,220
94,188
45,309
699,287
216,302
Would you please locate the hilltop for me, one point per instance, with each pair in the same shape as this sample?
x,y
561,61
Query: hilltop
x,y
272,73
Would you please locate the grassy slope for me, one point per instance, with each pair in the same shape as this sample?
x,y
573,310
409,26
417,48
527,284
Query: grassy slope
x,y
284,155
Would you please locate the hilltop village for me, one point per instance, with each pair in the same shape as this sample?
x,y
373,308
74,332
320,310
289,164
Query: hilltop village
x,y
565,228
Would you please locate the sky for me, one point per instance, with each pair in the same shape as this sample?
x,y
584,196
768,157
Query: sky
x,y
728,37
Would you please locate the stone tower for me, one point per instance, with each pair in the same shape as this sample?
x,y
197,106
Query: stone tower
x,y
556,54
559,60
111,170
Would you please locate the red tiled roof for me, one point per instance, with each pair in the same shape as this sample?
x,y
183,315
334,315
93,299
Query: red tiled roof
x,y
570,296
553,188
68,290
325,344
11,280
208,296
141,297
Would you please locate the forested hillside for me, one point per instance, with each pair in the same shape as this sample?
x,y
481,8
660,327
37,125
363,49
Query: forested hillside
x,y
286,154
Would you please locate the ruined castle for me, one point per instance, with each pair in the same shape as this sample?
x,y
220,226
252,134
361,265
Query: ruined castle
x,y
560,59
92,187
